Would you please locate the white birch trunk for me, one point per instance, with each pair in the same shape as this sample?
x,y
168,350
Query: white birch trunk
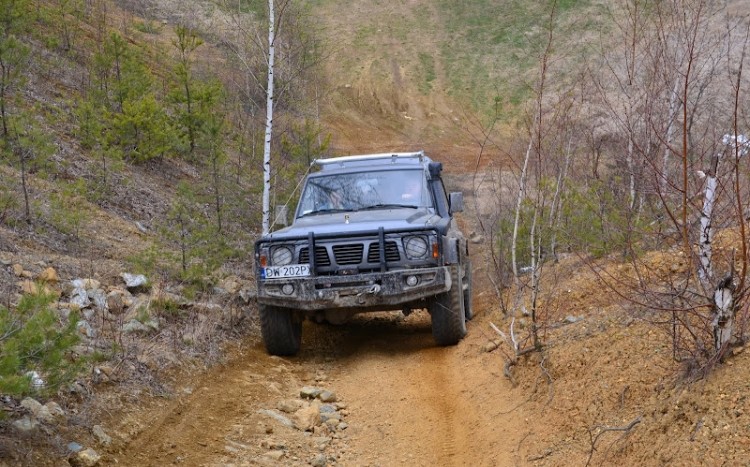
x,y
269,124
723,322
705,273
723,306
521,189
669,136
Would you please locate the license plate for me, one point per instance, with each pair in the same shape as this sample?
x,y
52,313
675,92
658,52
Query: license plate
x,y
281,272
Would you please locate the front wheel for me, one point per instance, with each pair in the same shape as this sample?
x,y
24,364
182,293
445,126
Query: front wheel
x,y
447,310
281,329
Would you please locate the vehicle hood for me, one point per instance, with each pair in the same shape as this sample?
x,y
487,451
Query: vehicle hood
x,y
360,222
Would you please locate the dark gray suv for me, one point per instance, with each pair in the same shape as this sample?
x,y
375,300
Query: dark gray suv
x,y
371,233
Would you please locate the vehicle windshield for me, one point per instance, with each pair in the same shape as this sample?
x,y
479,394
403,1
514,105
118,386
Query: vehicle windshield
x,y
384,189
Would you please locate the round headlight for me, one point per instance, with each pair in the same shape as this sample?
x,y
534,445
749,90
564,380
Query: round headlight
x,y
416,247
281,256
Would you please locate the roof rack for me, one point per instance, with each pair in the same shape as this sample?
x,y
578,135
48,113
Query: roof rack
x,y
348,160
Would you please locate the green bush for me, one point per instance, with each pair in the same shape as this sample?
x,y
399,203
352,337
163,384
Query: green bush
x,y
31,339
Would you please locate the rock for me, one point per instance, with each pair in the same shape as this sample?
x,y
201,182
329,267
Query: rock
x,y
290,405
325,417
248,294
152,324
48,275
32,405
230,285
307,418
48,413
319,461
277,416
321,442
27,287
74,447
17,269
475,238
331,424
85,458
274,455
309,392
328,408
55,410
85,329
133,281
99,298
327,396
86,284
272,444
135,326
570,319
115,302
342,426
25,425
80,297
101,436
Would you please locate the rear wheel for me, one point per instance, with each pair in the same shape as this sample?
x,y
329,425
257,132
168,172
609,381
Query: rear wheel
x,y
468,310
447,310
281,329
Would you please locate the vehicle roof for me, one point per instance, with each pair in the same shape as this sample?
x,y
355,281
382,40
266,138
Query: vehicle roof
x,y
373,160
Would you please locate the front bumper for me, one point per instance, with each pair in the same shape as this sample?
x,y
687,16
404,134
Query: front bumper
x,y
355,291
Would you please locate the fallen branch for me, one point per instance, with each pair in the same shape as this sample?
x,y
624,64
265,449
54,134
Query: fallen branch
x,y
605,429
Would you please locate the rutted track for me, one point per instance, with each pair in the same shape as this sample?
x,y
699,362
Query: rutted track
x,y
409,402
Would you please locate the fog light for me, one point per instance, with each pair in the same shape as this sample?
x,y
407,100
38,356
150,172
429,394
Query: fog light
x,y
411,281
287,289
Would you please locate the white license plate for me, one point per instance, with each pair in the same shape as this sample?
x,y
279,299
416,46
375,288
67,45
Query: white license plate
x,y
281,272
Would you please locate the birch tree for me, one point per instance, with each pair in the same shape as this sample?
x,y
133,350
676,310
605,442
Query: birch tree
x,y
269,123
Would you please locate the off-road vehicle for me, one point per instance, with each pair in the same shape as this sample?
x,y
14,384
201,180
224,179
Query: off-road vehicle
x,y
370,233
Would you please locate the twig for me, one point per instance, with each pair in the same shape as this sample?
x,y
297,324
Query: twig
x,y
506,371
605,429
549,381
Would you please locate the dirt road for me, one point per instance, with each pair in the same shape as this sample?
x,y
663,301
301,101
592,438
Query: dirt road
x,y
407,402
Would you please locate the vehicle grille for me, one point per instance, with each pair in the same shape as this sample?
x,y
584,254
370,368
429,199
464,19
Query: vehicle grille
x,y
391,252
321,256
348,254
351,254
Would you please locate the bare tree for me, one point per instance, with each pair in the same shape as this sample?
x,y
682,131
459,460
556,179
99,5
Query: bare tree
x,y
679,125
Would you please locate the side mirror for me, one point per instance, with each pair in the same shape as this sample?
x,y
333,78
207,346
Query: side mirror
x,y
281,216
456,202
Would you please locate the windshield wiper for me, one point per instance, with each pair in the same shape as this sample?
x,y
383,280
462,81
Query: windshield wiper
x,y
389,206
325,211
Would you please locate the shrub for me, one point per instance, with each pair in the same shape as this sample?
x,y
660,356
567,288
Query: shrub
x,y
31,339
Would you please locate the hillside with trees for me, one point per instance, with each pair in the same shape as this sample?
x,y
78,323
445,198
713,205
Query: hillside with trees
x,y
602,148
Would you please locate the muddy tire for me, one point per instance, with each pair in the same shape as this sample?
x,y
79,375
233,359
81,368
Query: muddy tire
x,y
281,329
468,310
447,310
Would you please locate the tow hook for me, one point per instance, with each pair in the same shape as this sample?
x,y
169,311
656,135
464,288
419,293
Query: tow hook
x,y
374,289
